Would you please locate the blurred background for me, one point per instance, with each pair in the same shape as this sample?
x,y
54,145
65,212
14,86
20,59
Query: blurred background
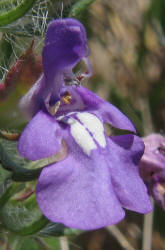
x,y
127,53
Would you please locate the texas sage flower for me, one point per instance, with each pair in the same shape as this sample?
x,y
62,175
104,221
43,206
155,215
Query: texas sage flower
x,y
152,167
99,176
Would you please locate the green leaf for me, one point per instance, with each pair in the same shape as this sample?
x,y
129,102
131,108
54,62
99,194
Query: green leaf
x,y
19,79
22,217
7,187
19,173
23,243
4,179
11,189
29,243
79,7
156,11
15,13
6,51
7,3
9,149
53,243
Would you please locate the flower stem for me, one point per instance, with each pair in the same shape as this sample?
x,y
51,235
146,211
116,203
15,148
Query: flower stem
x,y
147,231
64,243
148,218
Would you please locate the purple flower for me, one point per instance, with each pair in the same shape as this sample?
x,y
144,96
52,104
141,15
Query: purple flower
x,y
100,176
152,167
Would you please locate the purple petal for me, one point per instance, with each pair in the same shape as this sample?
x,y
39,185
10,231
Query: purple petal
x,y
65,45
41,138
78,191
104,110
33,101
124,156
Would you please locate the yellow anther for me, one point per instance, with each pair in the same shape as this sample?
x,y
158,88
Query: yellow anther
x,y
66,98
53,110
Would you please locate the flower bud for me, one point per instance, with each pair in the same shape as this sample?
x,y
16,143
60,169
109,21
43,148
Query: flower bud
x,y
152,167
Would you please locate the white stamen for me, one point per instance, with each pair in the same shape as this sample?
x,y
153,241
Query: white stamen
x,y
94,125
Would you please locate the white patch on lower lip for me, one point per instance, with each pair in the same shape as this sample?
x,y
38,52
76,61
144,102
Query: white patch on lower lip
x,y
94,125
61,117
81,136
